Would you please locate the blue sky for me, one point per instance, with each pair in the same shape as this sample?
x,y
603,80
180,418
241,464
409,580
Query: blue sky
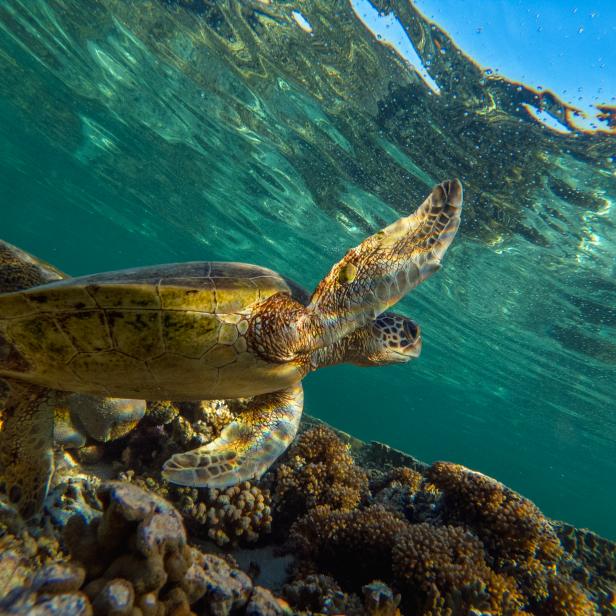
x,y
568,47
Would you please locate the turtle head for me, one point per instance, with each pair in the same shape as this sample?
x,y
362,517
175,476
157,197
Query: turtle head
x,y
389,339
386,266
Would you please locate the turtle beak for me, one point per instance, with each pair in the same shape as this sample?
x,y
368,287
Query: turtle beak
x,y
413,334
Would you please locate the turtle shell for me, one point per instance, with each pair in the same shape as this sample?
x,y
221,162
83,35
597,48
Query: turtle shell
x,y
19,270
172,331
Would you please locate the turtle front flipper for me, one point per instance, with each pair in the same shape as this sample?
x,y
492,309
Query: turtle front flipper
x,y
246,448
26,446
369,279
386,266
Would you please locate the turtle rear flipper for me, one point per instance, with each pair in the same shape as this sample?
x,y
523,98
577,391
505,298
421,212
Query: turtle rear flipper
x,y
246,448
26,446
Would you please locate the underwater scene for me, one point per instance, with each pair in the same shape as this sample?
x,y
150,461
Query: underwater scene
x,y
302,310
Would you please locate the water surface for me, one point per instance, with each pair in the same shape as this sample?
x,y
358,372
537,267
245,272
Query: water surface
x,y
281,134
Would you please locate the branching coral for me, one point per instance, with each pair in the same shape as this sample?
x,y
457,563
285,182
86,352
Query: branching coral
x,y
565,598
168,428
397,489
448,562
232,516
499,554
433,566
398,476
510,526
318,470
241,512
321,594
380,600
592,562
354,546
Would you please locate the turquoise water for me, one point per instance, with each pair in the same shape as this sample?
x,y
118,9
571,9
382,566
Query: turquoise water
x,y
134,133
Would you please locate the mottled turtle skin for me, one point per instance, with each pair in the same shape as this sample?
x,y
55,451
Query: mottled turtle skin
x,y
208,330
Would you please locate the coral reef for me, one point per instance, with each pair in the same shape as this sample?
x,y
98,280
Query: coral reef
x,y
233,515
134,558
353,546
511,527
565,598
321,594
380,600
450,540
435,563
168,428
431,565
34,573
318,470
591,561
400,489
377,540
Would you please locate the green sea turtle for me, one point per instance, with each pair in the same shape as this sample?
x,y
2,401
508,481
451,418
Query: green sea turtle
x,y
75,415
208,330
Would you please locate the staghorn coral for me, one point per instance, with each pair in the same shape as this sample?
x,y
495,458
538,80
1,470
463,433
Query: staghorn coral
x,y
447,565
318,470
511,527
